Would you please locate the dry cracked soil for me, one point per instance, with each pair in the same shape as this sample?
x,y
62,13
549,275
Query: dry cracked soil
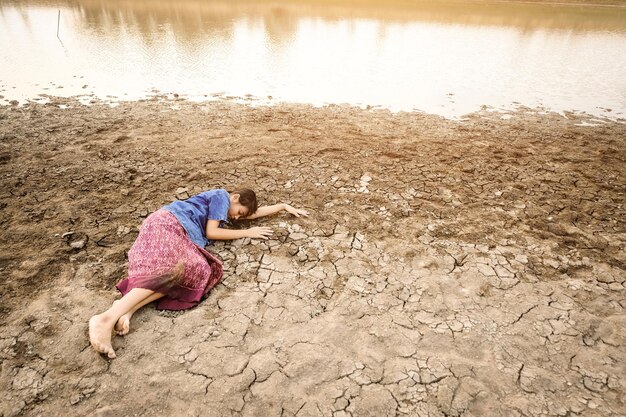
x,y
448,268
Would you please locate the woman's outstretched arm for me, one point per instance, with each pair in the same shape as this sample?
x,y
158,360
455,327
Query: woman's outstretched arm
x,y
215,232
267,210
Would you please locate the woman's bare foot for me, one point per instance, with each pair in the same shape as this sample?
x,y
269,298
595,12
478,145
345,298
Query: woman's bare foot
x,y
100,329
122,327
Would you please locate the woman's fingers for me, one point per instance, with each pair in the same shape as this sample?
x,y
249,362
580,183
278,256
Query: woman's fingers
x,y
261,232
297,212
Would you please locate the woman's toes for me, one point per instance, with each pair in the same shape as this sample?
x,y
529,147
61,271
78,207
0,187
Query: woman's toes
x,y
110,352
122,327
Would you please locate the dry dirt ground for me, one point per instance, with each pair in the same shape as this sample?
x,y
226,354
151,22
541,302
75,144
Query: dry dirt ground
x,y
448,268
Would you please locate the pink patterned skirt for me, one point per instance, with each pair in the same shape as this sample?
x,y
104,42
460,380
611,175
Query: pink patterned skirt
x,y
163,259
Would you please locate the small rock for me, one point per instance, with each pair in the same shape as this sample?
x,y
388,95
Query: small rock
x,y
26,378
298,236
552,262
607,279
293,249
191,356
75,399
523,259
426,239
79,244
78,240
182,193
302,256
123,230
341,403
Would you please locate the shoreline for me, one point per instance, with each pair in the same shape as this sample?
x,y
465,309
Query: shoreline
x,y
446,267
174,99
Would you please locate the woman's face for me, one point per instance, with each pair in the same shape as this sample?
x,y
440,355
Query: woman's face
x,y
237,210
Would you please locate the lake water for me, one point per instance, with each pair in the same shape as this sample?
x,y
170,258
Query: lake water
x,y
443,58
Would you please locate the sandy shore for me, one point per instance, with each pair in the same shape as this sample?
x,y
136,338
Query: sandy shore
x,y
447,269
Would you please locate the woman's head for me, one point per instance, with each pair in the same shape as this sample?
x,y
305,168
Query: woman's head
x,y
243,203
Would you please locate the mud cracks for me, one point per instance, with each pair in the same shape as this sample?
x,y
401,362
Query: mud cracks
x,y
447,269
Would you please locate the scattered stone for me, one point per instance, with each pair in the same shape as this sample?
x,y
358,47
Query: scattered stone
x,y
182,193
298,236
26,378
521,259
426,239
77,240
123,230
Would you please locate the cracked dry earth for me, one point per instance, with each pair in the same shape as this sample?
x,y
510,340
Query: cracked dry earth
x,y
448,268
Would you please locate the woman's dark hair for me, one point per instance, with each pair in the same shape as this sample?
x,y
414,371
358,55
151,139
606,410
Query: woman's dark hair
x,y
247,198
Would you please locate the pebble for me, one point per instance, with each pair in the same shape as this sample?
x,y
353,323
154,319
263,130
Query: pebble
x,y
182,193
78,244
298,236
523,259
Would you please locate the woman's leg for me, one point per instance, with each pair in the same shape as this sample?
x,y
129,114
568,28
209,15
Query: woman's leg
x,y
101,325
122,327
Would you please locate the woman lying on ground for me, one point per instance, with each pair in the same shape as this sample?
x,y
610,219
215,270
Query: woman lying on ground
x,y
168,262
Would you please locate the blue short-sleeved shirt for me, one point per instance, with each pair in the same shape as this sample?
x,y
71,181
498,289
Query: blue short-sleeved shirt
x,y
194,213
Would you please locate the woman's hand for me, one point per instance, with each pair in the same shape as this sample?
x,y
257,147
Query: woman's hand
x,y
296,212
259,232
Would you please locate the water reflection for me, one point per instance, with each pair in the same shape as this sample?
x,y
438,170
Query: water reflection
x,y
445,58
191,17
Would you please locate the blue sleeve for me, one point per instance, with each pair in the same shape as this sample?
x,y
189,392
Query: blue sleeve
x,y
219,203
